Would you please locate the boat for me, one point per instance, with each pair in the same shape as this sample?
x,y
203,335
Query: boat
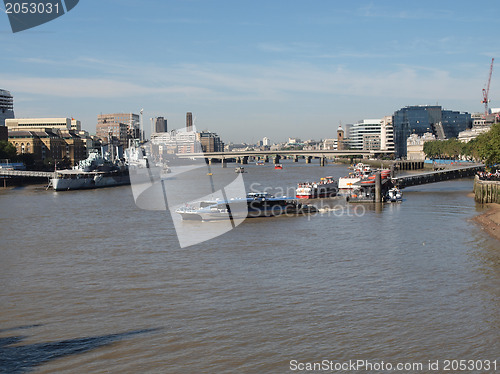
x,y
347,184
362,175
260,163
326,187
94,172
394,195
278,166
361,195
361,168
252,206
239,169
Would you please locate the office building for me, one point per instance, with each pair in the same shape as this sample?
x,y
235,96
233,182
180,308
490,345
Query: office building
x,y
386,134
39,124
365,135
443,124
189,121
210,142
158,124
176,141
6,112
120,126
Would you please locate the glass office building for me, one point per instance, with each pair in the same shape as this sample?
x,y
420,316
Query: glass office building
x,y
444,124
6,106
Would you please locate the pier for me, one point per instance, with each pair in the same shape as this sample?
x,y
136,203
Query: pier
x,y
408,165
486,191
436,176
26,173
20,174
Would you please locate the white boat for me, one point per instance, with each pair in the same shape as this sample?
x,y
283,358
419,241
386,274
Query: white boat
x,y
252,206
347,184
362,175
326,187
394,195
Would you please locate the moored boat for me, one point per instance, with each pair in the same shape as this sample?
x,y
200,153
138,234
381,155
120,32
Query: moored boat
x,y
94,172
252,206
326,187
394,195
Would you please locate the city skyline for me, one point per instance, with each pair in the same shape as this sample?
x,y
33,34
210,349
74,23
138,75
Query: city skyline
x,y
275,69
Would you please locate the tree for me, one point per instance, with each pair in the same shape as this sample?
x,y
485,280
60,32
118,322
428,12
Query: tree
x,y
488,145
7,150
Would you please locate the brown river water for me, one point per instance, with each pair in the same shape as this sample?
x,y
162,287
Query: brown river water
x,y
92,284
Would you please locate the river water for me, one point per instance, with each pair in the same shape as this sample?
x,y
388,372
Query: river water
x,y
93,284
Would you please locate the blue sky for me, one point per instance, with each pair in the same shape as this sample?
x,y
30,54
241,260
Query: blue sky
x,y
249,69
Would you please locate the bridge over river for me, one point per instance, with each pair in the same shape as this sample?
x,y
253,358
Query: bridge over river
x,y
242,156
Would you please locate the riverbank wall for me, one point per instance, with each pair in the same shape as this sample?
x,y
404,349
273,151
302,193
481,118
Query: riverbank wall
x,y
486,191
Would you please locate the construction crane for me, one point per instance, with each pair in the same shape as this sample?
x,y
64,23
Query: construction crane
x,y
486,91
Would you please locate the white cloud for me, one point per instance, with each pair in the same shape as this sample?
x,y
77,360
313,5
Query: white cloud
x,y
236,82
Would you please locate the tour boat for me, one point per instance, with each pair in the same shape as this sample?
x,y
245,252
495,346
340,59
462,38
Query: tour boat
x,y
278,166
252,206
326,187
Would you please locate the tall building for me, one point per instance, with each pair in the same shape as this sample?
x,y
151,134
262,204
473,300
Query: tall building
x,y
210,142
159,124
6,106
6,112
443,124
386,134
266,141
189,121
365,135
121,126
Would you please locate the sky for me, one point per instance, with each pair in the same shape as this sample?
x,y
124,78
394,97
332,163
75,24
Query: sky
x,y
250,69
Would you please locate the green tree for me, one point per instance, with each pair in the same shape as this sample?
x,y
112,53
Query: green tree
x,y
488,145
7,150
